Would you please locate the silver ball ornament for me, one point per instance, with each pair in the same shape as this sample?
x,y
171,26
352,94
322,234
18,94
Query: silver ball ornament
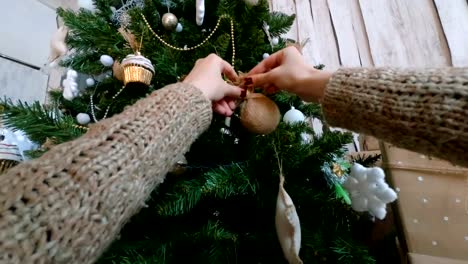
x,y
293,116
179,27
83,118
169,21
266,55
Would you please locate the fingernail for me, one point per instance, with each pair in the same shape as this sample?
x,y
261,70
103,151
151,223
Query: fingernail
x,y
248,81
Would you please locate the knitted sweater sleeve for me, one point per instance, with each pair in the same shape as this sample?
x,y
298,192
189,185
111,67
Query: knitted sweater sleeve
x,y
422,110
68,205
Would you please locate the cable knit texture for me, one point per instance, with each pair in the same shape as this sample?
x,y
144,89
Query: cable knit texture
x,y
69,205
421,110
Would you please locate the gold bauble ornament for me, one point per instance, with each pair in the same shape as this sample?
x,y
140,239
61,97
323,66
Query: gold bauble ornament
x,y
137,69
259,114
169,21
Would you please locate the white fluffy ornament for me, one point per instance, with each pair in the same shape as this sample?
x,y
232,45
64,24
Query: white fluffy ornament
x,y
266,55
293,116
275,41
106,60
179,28
306,138
369,191
19,139
83,118
87,4
70,86
251,2
90,82
200,11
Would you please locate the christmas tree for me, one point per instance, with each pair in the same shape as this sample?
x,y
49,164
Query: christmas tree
x,y
218,205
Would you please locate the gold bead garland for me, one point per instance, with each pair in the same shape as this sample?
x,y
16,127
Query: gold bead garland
x,y
201,43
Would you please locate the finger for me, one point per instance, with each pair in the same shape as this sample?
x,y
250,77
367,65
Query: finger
x,y
271,89
267,64
229,71
232,104
232,91
226,107
218,108
262,79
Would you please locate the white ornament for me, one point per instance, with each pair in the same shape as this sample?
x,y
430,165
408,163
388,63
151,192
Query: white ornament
x,y
19,139
86,4
266,55
227,121
200,11
274,41
70,86
179,27
90,82
288,227
83,118
293,116
107,60
369,191
306,138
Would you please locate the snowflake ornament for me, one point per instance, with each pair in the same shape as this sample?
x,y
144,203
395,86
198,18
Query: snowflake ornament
x,y
369,191
120,16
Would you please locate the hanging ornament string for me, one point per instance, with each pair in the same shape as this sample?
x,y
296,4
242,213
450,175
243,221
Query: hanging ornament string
x,y
201,43
108,107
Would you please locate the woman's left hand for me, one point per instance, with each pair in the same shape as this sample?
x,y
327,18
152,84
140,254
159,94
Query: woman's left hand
x,y
207,75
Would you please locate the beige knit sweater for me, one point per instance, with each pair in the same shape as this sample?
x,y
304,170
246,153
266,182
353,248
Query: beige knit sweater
x,y
69,205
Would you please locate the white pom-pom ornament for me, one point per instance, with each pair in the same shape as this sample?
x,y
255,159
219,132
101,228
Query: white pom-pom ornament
x,y
275,41
293,116
106,60
179,27
369,191
266,55
90,82
83,118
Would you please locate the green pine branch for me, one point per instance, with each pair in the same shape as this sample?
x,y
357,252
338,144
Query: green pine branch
x,y
220,183
39,122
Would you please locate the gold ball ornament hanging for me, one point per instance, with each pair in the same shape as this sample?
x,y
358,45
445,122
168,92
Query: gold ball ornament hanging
x,y
169,21
137,69
259,114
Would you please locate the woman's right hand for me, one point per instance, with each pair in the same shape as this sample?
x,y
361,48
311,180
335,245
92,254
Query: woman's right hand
x,y
287,70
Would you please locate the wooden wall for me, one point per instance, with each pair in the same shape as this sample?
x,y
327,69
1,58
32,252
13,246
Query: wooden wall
x,y
402,33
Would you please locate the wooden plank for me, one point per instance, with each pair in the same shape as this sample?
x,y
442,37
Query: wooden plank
x,y
360,34
305,31
324,34
404,33
287,7
454,18
344,27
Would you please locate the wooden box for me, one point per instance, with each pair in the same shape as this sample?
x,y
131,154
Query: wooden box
x,y
432,206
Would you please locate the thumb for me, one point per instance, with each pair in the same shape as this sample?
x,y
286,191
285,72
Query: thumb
x,y
232,91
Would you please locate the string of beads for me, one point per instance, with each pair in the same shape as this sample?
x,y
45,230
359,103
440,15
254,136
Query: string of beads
x,y
108,107
201,43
